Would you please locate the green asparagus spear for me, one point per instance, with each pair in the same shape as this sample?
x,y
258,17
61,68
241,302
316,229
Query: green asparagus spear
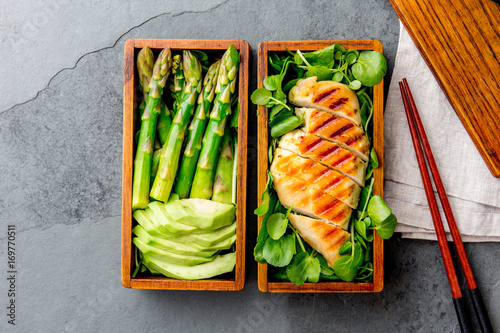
x,y
145,61
223,184
196,131
164,123
226,84
154,165
177,84
169,160
143,156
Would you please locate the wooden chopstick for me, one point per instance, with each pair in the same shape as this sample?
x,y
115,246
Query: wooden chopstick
x,y
417,130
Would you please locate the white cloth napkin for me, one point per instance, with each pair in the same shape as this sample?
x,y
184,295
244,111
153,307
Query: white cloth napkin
x,y
473,192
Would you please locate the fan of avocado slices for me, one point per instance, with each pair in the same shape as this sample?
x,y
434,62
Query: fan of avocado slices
x,y
279,243
184,189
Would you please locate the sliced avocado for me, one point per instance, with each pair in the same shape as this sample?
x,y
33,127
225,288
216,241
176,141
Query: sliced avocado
x,y
224,244
220,265
201,213
144,219
167,225
167,256
171,245
208,239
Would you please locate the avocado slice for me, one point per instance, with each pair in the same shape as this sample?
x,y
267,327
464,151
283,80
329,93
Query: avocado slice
x,y
220,265
208,239
172,245
167,225
143,218
167,256
224,244
201,213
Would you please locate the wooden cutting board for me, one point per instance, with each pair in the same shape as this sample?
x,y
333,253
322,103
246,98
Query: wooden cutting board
x,y
460,41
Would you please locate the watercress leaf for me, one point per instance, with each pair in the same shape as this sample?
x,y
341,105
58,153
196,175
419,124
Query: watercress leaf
x,y
340,48
297,59
357,257
373,159
364,197
281,274
351,58
385,228
323,57
367,221
370,68
264,206
355,85
258,254
303,267
360,227
280,116
332,277
338,77
378,210
276,225
345,248
314,271
363,110
280,95
290,84
369,172
343,270
279,252
321,72
325,269
285,126
261,96
360,240
272,82
368,255
275,110
339,55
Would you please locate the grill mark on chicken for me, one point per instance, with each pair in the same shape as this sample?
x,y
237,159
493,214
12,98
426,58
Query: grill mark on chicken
x,y
324,125
339,103
307,148
330,151
335,244
342,160
325,95
341,131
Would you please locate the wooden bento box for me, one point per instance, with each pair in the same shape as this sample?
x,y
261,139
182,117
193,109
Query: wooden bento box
x,y
265,280
131,123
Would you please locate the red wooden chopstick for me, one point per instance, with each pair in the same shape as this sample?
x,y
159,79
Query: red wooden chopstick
x,y
417,130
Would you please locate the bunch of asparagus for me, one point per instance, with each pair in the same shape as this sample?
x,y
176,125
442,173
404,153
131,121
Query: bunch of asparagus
x,y
198,160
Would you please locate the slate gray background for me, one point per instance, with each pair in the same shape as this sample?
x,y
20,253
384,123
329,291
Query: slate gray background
x,y
61,78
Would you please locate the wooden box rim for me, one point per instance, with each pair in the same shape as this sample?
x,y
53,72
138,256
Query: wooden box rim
x,y
127,255
378,91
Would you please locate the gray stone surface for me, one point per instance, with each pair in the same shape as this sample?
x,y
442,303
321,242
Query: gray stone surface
x,y
60,183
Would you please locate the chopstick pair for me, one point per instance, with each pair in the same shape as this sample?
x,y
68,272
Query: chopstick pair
x,y
419,139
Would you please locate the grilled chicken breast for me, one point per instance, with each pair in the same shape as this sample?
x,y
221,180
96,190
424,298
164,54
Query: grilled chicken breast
x,y
326,153
329,96
323,237
335,129
317,176
310,201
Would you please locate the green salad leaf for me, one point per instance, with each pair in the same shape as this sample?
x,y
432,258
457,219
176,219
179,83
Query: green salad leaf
x,y
370,68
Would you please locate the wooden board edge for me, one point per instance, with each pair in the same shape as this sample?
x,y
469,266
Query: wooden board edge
x,y
494,169
244,49
262,159
128,109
